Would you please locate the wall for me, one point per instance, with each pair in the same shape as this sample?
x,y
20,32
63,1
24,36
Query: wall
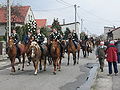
x,y
29,16
2,30
116,34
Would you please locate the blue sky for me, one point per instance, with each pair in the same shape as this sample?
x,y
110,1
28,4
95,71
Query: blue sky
x,y
95,13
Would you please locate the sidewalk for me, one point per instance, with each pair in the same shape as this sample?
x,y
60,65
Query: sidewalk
x,y
104,82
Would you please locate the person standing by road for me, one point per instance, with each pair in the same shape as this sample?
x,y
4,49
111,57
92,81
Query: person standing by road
x,y
100,54
111,53
118,47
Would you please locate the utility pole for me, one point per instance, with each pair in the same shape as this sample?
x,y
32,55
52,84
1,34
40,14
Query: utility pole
x,y
81,25
75,15
8,18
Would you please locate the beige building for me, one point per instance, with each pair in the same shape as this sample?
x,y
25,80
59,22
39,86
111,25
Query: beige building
x,y
116,33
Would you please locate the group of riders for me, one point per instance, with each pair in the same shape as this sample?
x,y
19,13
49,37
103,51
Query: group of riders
x,y
41,39
55,43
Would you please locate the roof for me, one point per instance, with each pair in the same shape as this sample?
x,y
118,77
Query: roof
x,y
15,17
41,22
116,29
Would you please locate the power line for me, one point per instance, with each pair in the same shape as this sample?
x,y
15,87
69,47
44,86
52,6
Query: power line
x,y
63,3
47,10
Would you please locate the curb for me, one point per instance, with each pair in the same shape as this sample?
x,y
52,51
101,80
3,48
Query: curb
x,y
90,79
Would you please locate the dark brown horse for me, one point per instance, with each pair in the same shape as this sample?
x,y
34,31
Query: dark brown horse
x,y
71,49
35,55
55,53
13,53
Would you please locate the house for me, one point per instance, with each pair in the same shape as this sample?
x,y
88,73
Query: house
x,y
71,26
20,15
41,23
106,30
116,33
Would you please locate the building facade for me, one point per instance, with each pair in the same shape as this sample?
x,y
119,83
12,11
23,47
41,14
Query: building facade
x,y
25,15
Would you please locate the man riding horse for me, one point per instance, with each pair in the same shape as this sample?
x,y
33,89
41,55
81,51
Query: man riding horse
x,y
27,37
56,35
15,37
75,38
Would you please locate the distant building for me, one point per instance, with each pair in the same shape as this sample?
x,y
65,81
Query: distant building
x,y
106,30
71,26
24,15
41,23
116,33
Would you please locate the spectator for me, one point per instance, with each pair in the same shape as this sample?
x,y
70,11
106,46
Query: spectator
x,y
118,47
112,58
100,54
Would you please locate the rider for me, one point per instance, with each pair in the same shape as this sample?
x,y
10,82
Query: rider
x,y
27,37
56,35
15,37
75,38
39,38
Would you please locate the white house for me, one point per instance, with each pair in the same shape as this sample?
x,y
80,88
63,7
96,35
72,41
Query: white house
x,y
71,26
21,15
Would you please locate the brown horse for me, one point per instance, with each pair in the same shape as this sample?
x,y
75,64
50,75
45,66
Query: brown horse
x,y
27,46
13,53
71,49
35,55
55,53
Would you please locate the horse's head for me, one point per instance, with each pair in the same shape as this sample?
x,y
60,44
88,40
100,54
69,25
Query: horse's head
x,y
10,42
55,44
34,47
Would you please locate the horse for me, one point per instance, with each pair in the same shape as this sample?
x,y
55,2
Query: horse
x,y
27,46
13,53
87,47
55,54
44,55
84,48
35,55
71,49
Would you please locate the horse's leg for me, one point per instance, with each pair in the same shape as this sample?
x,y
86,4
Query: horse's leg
x,y
23,62
45,64
59,62
36,67
55,64
12,64
78,56
68,58
19,58
40,65
74,58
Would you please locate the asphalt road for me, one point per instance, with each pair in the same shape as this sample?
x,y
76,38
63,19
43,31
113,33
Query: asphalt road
x,y
69,78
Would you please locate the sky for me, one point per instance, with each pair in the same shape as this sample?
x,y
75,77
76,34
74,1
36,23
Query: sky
x,y
95,13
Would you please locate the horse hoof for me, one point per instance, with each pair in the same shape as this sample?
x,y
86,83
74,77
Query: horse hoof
x,y
77,62
22,69
54,73
59,70
68,64
28,64
12,70
18,68
40,69
35,73
44,69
